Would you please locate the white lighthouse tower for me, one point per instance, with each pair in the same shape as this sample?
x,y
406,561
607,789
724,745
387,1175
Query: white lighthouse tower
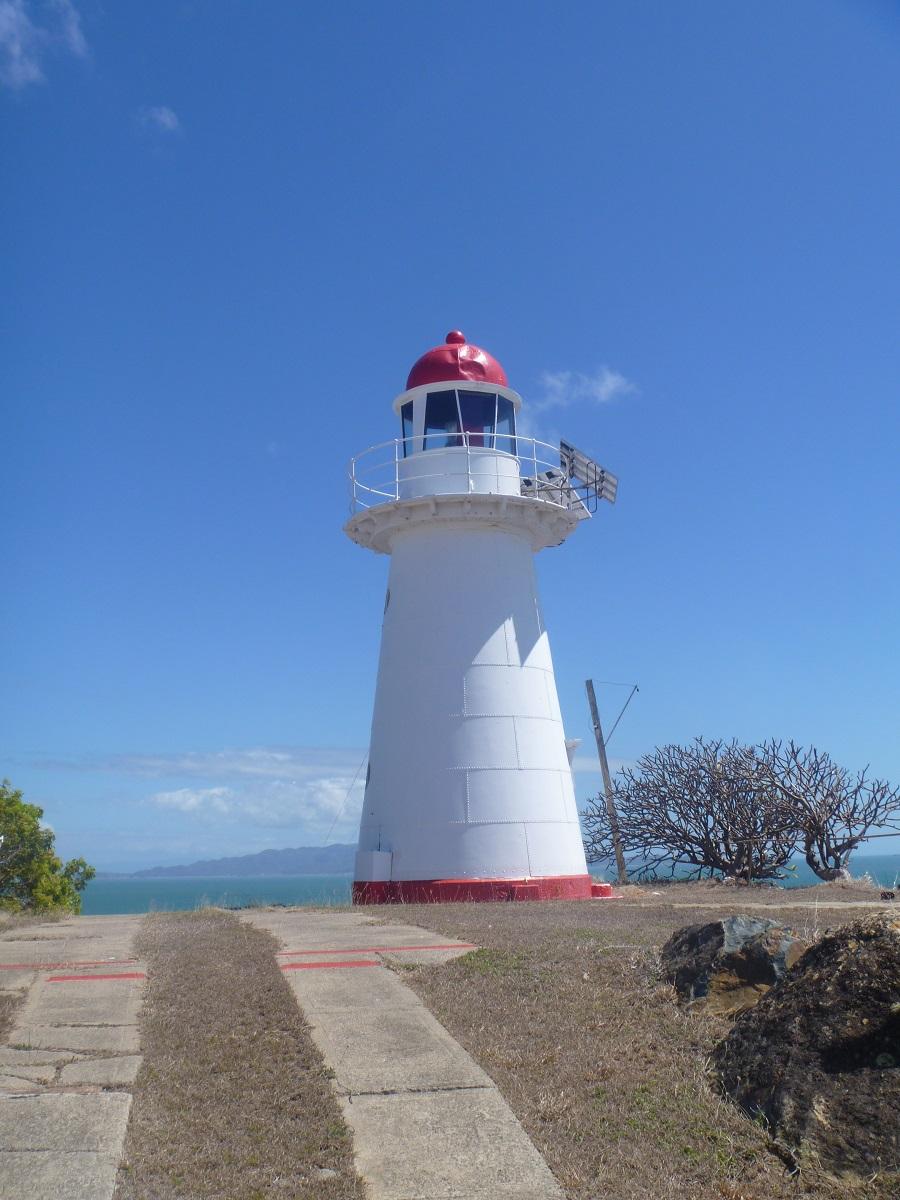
x,y
469,793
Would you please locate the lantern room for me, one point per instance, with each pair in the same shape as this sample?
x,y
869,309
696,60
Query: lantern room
x,y
456,395
458,423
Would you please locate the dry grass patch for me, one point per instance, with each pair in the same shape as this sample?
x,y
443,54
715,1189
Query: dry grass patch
x,y
10,1001
564,1007
233,1100
25,920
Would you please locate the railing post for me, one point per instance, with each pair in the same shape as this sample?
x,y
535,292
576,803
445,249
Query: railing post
x,y
397,468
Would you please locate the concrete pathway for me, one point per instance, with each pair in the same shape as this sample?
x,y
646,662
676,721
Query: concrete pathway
x,y
427,1122
71,1056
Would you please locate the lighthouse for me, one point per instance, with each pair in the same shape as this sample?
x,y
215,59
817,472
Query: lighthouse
x,y
469,792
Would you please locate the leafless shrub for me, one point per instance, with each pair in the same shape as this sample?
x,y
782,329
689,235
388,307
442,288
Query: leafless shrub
x,y
710,807
835,809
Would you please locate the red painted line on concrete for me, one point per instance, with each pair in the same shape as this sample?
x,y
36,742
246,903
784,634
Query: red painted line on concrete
x,y
91,978
58,966
351,962
382,949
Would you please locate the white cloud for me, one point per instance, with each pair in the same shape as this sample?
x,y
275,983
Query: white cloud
x,y
24,41
20,46
314,791
160,118
194,799
562,388
324,806
232,766
69,31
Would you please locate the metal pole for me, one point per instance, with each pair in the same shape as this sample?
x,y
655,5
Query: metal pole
x,y
607,783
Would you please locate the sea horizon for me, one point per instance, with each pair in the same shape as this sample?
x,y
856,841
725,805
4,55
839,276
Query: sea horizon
x,y
121,895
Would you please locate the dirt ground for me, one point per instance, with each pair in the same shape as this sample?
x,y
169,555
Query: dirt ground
x,y
564,1006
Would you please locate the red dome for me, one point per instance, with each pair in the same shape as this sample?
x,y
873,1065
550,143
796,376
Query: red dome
x,y
456,359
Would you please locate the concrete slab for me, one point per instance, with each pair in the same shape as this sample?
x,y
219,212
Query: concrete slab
x,y
51,1175
388,1050
310,918
65,1121
109,944
105,1072
92,1002
114,1039
464,1145
16,981
318,936
314,927
401,955
43,1074
349,990
57,1143
13,1059
32,933
16,1085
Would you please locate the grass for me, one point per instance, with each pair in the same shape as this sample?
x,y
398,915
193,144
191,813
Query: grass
x,y
565,1008
24,920
233,1100
10,1002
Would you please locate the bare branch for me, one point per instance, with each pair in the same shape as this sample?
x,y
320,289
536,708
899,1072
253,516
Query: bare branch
x,y
835,809
710,807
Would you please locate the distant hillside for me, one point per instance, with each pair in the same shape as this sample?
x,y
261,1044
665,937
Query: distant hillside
x,y
303,860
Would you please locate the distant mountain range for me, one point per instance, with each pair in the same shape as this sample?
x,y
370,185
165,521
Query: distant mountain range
x,y
303,860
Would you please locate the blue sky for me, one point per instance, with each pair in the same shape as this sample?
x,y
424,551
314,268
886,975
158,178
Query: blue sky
x,y
228,230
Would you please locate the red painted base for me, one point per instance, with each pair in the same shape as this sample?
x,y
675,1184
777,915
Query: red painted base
x,y
458,891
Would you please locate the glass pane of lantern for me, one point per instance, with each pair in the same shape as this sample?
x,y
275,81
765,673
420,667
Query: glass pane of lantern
x,y
406,412
441,421
477,409
506,425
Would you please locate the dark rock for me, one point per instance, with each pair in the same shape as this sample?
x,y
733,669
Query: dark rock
x,y
819,1057
888,896
726,966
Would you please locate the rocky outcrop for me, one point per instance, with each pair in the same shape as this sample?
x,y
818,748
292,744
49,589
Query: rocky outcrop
x,y
819,1057
726,966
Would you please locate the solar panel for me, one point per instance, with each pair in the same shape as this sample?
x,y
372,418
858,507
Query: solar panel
x,y
592,481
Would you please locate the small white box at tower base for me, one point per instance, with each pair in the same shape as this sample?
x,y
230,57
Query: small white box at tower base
x,y
469,792
373,865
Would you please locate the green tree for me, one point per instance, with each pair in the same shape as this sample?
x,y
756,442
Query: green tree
x,y
32,877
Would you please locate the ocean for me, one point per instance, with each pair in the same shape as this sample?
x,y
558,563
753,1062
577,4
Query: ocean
x,y
108,896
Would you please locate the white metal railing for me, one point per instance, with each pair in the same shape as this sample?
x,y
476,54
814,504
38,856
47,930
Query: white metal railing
x,y
492,463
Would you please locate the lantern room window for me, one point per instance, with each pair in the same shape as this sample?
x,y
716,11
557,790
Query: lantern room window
x,y
506,425
406,412
441,421
478,411
459,417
